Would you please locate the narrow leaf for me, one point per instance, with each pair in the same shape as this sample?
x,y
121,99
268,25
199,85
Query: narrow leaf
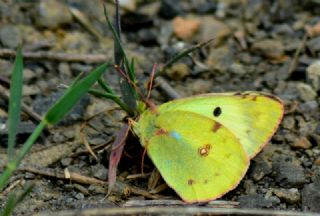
x,y
127,90
15,101
116,152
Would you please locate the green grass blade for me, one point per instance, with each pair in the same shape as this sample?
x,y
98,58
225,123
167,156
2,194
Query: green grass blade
x,y
72,95
15,102
12,165
184,53
113,97
14,200
118,43
128,92
105,86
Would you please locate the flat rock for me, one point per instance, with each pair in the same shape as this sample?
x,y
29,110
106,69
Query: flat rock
x,y
288,173
51,14
290,196
311,197
256,201
302,143
270,48
213,28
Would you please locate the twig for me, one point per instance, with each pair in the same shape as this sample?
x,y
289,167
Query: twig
x,y
82,19
185,210
52,56
165,86
120,187
4,93
12,186
154,203
87,145
76,177
183,54
294,62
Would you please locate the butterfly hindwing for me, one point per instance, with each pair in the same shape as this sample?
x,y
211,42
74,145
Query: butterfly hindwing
x,y
251,116
197,156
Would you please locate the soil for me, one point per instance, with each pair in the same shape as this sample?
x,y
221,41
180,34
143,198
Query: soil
x,y
271,46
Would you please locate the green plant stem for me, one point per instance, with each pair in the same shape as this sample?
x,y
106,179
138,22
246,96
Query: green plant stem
x,y
105,86
113,97
12,165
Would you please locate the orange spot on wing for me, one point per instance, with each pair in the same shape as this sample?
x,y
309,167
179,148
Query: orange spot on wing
x,y
204,151
216,127
161,131
191,182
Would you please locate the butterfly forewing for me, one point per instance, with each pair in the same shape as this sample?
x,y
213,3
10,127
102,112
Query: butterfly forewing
x,y
252,117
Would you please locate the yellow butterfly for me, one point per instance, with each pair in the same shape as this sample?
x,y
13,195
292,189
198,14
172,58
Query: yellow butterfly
x,y
202,145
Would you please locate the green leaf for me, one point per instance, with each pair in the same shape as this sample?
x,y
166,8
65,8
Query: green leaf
x,y
119,47
72,95
128,92
15,101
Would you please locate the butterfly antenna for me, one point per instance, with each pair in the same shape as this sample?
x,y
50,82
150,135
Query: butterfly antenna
x,y
142,160
150,82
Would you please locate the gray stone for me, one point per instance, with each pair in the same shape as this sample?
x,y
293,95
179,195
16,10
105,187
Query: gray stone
x,y
260,168
213,28
10,36
309,108
311,197
269,47
250,187
290,196
79,196
314,44
28,75
99,171
288,122
288,173
66,161
237,68
254,201
313,75
52,14
305,92
220,59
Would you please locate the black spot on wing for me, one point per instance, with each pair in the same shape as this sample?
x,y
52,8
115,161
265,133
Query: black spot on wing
x,y
217,112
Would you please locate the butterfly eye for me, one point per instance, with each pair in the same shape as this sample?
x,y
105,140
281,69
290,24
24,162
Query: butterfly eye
x,y
217,111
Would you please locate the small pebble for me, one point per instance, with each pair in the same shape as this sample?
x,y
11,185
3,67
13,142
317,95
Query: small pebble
x,y
305,92
270,48
290,196
178,71
10,36
185,28
313,75
51,14
302,143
